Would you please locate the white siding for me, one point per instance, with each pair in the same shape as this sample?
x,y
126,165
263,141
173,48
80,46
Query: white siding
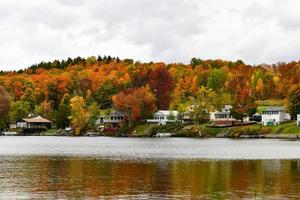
x,y
161,117
275,118
21,124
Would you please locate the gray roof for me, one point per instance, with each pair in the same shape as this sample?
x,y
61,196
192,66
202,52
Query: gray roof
x,y
114,114
166,112
222,113
274,108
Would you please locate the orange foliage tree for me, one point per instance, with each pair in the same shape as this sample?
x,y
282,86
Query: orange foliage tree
x,y
244,103
138,103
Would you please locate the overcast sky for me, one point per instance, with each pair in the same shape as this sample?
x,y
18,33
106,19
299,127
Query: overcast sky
x,y
256,31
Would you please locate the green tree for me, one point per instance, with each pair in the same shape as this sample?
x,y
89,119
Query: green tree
x,y
103,96
217,79
63,112
195,61
91,60
93,115
53,93
293,101
18,110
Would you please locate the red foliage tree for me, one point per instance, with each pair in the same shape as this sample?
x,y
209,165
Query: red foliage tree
x,y
162,84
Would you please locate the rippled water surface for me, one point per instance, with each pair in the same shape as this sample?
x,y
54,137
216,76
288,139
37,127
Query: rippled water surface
x,y
148,168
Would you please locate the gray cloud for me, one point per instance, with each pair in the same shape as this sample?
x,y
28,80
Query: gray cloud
x,y
255,31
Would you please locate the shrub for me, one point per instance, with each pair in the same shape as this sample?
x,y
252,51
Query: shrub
x,y
124,130
265,130
237,132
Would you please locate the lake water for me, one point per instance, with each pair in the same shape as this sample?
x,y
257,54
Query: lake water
x,y
148,168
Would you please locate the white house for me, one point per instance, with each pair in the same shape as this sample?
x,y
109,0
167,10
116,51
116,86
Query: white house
x,y
274,115
163,117
188,116
298,120
113,118
223,116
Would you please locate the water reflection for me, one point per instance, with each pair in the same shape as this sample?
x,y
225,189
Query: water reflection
x,y
82,177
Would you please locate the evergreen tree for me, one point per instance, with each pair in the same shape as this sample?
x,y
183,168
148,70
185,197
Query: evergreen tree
x,y
293,101
63,113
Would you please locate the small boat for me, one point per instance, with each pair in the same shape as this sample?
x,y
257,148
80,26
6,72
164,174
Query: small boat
x,y
92,134
9,133
163,134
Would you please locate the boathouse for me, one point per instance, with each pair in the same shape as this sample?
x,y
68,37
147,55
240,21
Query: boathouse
x,y
33,124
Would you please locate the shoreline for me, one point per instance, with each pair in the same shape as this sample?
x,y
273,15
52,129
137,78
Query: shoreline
x,y
267,136
287,130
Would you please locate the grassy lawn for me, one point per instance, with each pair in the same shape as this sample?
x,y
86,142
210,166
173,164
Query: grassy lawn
x,y
290,128
285,128
50,132
145,129
142,129
188,130
270,102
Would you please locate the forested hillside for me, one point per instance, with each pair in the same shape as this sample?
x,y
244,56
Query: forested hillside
x,y
81,88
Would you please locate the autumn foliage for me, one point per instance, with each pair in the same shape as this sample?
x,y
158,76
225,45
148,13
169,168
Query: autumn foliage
x,y
138,89
244,103
161,83
4,102
137,103
79,115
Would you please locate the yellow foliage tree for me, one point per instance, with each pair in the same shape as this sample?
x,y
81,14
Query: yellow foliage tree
x,y
79,115
260,88
204,103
